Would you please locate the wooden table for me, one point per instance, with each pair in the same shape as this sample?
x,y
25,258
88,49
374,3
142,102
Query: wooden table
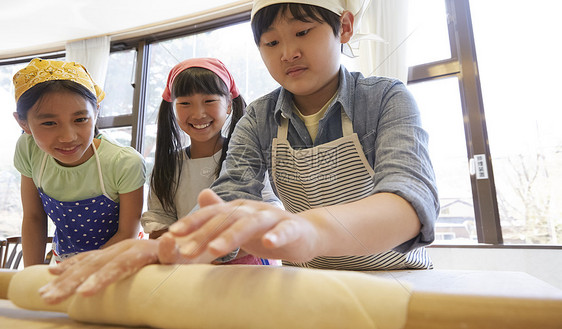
x,y
450,299
462,293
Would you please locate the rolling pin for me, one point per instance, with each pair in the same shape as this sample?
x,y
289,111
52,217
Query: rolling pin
x,y
423,309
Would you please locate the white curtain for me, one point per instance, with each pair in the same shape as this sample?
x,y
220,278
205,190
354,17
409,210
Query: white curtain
x,y
387,19
93,54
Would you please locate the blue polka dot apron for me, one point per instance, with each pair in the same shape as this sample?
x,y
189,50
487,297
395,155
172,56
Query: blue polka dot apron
x,y
80,225
333,173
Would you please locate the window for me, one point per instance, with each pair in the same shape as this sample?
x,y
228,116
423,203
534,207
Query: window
x,y
117,118
10,203
518,56
10,179
440,106
485,77
497,90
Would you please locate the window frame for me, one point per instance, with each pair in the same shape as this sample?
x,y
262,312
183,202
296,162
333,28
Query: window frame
x,y
463,65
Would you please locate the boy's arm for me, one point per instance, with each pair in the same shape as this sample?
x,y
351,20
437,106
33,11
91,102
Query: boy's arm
x,y
34,224
266,231
371,225
402,164
130,210
243,171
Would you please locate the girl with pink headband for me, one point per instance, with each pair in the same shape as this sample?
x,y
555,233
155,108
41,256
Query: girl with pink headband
x,y
199,97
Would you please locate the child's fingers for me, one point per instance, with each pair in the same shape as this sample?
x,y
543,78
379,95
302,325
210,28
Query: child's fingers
x,y
53,294
207,197
167,249
65,285
119,268
194,221
284,233
225,215
66,264
249,225
99,268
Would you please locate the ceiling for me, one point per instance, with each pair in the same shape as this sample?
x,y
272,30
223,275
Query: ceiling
x,y
31,26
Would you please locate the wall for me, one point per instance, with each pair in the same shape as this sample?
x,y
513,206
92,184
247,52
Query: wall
x,y
545,264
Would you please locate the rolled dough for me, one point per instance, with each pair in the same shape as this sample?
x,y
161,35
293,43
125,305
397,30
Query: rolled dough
x,y
235,296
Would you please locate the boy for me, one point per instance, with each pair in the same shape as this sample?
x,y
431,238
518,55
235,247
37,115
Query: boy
x,y
347,156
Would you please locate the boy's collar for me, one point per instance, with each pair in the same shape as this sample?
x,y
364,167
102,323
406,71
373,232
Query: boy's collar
x,y
284,104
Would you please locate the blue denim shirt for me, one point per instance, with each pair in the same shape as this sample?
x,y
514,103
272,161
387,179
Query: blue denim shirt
x,y
387,122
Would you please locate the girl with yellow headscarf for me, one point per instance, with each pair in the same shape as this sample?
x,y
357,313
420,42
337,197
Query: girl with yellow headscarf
x,y
90,187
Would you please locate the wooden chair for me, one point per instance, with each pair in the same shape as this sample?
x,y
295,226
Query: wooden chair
x,y
3,244
13,253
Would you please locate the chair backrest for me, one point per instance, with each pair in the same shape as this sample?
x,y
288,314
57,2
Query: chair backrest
x,y
2,246
12,254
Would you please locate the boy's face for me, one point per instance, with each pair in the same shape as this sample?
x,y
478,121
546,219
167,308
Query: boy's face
x,y
303,57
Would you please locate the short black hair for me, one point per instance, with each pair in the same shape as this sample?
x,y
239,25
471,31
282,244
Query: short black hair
x,y
266,16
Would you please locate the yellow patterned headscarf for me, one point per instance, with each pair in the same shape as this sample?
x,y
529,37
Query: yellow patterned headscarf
x,y
41,70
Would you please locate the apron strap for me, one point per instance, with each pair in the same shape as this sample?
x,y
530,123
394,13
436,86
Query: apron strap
x,y
283,128
43,162
100,176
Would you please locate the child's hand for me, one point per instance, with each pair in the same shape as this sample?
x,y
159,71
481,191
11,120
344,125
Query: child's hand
x,y
90,272
257,227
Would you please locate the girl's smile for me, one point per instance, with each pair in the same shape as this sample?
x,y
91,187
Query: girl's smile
x,y
200,126
202,117
68,150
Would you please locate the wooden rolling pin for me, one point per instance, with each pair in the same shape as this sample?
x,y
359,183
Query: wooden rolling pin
x,y
448,311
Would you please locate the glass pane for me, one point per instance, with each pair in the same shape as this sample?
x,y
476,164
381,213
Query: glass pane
x,y
440,107
118,84
518,59
245,64
121,135
429,35
10,203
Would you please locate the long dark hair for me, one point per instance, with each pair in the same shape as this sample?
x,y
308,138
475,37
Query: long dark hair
x,y
169,149
37,92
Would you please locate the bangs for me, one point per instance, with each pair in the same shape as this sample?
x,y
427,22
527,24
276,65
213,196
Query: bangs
x,y
197,80
265,17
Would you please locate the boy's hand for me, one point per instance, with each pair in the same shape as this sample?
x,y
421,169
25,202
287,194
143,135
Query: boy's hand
x,y
90,272
258,228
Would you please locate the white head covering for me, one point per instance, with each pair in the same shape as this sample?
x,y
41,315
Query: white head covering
x,y
356,7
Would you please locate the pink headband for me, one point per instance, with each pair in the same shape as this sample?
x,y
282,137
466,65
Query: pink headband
x,y
211,64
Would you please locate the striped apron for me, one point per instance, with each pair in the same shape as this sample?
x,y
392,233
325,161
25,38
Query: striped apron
x,y
333,173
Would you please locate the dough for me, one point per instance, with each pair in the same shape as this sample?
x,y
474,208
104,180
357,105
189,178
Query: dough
x,y
230,296
5,278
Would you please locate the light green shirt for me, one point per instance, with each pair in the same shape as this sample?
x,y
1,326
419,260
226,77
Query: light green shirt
x,y
123,171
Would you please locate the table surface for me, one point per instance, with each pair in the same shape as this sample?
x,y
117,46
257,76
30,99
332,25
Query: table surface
x,y
471,283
